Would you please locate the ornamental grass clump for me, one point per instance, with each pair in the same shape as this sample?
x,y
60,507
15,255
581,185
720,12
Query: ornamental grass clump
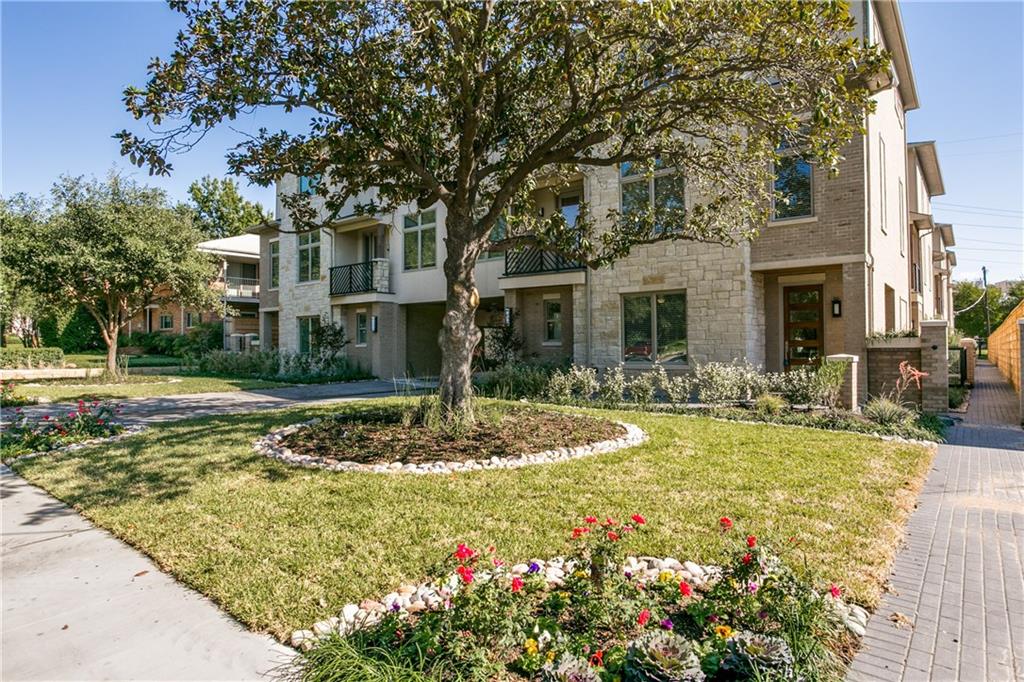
x,y
598,615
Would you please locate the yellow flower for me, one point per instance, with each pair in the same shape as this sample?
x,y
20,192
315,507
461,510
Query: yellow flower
x,y
723,631
551,656
563,595
666,576
579,574
530,646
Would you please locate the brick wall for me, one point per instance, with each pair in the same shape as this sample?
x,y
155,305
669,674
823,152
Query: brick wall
x,y
1004,347
883,368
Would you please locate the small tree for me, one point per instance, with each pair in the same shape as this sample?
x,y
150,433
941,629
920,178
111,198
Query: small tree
x,y
220,211
473,104
113,247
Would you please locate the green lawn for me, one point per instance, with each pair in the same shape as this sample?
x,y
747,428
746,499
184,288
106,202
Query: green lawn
x,y
99,359
136,387
281,547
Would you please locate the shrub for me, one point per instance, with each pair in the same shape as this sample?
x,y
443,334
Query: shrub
x,y
517,380
642,388
770,405
720,382
677,388
613,387
829,382
957,396
13,357
279,365
73,331
201,339
887,412
87,421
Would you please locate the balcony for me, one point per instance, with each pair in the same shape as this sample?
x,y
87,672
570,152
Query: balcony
x,y
358,278
241,287
534,261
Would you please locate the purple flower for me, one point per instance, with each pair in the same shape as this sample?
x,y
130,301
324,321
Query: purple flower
x,y
628,574
534,567
762,615
752,587
713,618
667,624
396,607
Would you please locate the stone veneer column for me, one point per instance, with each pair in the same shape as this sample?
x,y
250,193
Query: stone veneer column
x,y
855,315
849,395
935,361
970,348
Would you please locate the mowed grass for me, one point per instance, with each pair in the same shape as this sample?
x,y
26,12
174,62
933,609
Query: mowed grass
x,y
135,386
281,547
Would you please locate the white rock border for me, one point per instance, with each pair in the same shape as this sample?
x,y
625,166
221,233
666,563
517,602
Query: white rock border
x,y
434,596
133,430
271,446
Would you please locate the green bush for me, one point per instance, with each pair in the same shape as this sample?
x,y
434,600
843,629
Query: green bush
x,y
517,380
278,365
72,331
957,395
886,412
25,358
770,405
201,339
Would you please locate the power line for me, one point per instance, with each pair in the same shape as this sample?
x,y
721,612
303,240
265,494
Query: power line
x,y
987,208
1019,228
971,211
971,248
980,241
983,137
988,153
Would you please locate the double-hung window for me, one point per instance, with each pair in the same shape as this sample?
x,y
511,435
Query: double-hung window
x,y
309,256
793,185
307,331
553,320
192,319
663,191
166,321
654,327
275,264
420,240
361,328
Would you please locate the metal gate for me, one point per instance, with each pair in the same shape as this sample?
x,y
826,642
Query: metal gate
x,y
957,367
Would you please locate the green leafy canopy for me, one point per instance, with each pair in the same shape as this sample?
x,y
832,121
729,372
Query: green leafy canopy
x,y
474,104
220,211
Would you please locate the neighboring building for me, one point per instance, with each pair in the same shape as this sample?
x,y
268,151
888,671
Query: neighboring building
x,y
842,259
238,279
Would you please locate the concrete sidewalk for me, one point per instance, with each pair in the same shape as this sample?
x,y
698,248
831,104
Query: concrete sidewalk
x,y
190,405
79,604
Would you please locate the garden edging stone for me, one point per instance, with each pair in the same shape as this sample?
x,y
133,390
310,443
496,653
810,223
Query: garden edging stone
x,y
129,431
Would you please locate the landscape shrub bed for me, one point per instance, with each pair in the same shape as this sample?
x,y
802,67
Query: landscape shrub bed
x,y
594,616
87,421
13,357
383,434
276,365
9,396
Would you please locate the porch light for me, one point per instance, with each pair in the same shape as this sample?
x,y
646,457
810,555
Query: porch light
x,y
837,308
373,324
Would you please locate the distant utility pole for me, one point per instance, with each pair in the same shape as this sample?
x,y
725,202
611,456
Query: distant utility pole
x,y
984,284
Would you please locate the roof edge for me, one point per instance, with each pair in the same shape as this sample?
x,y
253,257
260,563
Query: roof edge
x,y
928,156
891,22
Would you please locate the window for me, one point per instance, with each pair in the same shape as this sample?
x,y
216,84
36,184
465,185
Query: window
x,y
654,327
663,191
307,329
792,188
275,264
881,179
361,328
308,183
420,246
553,320
498,233
192,319
309,256
903,220
166,321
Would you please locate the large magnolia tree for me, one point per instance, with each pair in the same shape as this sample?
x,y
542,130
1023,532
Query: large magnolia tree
x,y
114,247
473,104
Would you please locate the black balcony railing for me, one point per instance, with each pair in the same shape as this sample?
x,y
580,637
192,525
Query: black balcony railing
x,y
352,279
534,261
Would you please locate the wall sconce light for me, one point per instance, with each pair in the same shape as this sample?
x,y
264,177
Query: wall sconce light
x,y
373,324
508,316
837,308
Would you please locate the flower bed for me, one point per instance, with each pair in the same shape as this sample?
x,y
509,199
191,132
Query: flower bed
x,y
595,615
378,440
87,424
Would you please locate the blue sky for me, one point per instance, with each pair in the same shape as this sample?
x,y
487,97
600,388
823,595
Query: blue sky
x,y
64,66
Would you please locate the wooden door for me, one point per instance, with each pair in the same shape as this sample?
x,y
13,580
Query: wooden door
x,y
804,337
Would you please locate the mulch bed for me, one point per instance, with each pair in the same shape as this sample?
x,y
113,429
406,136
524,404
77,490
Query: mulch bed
x,y
378,436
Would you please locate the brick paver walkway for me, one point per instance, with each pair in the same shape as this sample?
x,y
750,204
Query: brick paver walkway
x,y
955,610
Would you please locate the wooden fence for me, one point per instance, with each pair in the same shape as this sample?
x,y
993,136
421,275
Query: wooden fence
x,y
1004,346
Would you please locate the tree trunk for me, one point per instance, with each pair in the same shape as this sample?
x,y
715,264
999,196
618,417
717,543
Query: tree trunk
x,y
459,334
110,338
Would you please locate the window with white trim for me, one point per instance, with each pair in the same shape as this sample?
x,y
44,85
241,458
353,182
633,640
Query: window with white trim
x,y
309,256
654,327
903,220
192,319
420,240
166,321
275,264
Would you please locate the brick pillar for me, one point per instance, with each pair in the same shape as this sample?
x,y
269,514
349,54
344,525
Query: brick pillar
x,y
856,327
935,361
970,349
848,396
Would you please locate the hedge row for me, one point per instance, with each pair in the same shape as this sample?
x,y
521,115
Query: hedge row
x,y
27,358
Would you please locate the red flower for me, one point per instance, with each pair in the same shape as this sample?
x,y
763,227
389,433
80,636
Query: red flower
x,y
590,519
644,616
685,589
751,541
835,591
491,549
627,529
517,584
462,552
497,562
613,536
725,522
610,522
100,422
466,573
579,531
747,558
597,659
638,520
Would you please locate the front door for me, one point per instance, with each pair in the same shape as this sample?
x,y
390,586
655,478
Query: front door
x,y
804,340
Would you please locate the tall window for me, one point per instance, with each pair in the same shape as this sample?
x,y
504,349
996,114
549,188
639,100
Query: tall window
x,y
308,183
881,180
654,327
420,245
192,319
309,256
498,233
307,329
361,328
275,264
903,220
664,190
552,320
793,189
166,321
